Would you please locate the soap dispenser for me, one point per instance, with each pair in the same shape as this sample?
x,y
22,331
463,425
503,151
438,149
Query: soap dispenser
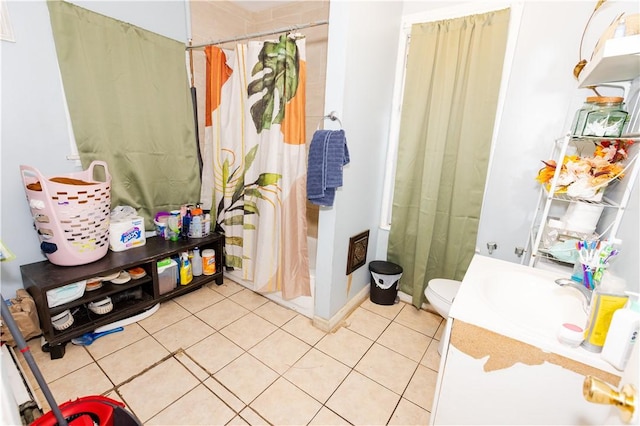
x,y
623,333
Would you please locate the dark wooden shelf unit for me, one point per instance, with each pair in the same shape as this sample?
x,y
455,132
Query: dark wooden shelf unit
x,y
40,277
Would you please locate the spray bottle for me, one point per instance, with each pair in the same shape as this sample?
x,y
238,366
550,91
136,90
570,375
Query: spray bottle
x,y
186,271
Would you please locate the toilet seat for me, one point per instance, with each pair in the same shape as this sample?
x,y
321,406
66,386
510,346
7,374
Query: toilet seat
x,y
444,290
440,293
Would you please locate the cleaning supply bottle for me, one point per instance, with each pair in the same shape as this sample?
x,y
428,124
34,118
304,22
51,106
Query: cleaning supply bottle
x,y
603,306
623,333
186,271
196,262
209,261
186,222
195,230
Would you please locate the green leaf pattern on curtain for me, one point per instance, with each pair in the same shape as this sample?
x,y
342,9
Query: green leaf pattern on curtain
x,y
256,162
276,70
242,200
280,64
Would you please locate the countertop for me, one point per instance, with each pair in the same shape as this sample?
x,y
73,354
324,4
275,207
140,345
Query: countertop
x,y
471,305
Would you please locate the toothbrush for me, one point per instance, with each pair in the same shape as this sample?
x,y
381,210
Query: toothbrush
x,y
610,255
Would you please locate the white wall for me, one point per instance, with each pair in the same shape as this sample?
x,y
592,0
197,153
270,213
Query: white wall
x,y
34,124
362,47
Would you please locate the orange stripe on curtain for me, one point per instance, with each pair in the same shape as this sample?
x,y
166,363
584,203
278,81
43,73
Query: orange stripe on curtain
x,y
218,72
293,123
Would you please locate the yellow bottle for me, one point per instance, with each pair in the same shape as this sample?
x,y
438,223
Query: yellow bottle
x,y
603,305
186,271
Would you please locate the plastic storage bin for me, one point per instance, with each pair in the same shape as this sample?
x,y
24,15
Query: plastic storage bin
x,y
384,282
167,275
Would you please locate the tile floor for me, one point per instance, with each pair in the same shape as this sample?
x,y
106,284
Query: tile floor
x,y
224,355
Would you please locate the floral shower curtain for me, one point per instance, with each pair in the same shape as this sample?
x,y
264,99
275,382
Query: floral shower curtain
x,y
254,171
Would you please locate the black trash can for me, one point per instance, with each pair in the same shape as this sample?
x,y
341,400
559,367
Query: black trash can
x,y
384,282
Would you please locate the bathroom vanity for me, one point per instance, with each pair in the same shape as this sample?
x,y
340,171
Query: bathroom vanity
x,y
502,362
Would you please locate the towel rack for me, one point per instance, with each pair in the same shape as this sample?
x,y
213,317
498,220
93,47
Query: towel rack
x,y
331,116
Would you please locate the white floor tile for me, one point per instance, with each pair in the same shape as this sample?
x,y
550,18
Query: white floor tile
x,y
199,299
419,320
387,367
405,341
133,359
317,374
421,389
214,353
248,331
248,299
345,345
183,334
87,381
367,323
408,413
246,377
113,342
197,407
362,401
169,313
326,417
221,314
280,350
297,408
146,396
302,327
225,355
274,313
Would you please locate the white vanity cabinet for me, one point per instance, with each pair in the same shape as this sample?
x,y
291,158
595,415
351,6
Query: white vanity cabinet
x,y
513,383
502,363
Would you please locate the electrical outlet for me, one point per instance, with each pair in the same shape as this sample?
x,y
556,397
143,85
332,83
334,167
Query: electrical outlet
x,y
357,254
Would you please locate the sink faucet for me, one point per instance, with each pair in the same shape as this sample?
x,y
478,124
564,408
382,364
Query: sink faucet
x,y
566,282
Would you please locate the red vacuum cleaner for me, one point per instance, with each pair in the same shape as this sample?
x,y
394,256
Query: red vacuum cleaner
x,y
88,410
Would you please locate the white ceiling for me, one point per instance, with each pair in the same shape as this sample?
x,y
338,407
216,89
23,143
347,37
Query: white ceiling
x,y
259,5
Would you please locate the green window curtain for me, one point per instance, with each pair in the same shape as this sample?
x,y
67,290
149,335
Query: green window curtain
x,y
130,105
452,82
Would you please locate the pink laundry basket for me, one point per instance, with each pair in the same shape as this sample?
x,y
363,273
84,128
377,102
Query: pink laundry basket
x,y
71,214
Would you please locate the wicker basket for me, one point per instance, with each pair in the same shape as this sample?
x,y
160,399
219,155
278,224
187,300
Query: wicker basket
x,y
71,214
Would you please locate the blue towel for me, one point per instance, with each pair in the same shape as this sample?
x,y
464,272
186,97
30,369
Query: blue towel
x,y
328,153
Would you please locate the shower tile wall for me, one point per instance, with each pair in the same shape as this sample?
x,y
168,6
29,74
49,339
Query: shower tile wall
x,y
215,20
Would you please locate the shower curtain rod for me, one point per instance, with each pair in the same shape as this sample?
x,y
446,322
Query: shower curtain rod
x,y
260,34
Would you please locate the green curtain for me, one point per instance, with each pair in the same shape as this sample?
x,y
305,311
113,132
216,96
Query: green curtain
x,y
130,105
451,90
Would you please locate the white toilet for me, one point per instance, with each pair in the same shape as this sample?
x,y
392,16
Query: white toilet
x,y
440,293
